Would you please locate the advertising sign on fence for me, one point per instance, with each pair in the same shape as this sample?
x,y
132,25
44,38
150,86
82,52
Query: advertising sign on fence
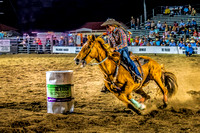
x,y
64,49
4,45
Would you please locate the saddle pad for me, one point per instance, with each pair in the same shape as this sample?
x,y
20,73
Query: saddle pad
x,y
142,61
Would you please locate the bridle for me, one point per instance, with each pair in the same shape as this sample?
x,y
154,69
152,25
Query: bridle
x,y
92,64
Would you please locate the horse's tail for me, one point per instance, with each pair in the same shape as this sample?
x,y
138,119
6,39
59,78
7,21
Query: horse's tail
x,y
170,82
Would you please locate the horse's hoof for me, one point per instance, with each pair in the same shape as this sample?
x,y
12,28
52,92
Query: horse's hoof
x,y
163,106
142,107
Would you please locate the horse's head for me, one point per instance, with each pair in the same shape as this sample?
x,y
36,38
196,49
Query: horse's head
x,y
88,52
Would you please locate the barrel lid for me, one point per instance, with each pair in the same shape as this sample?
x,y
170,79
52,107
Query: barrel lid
x,y
64,71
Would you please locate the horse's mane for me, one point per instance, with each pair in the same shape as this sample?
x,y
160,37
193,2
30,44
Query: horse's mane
x,y
104,45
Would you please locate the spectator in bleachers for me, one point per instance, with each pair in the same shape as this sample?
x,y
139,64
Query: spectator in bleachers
x,y
153,24
145,42
194,23
163,43
151,33
179,11
151,42
166,33
189,50
195,33
133,23
189,9
156,30
159,25
193,43
175,24
181,23
157,42
186,10
164,26
137,40
181,45
172,43
167,11
148,24
193,12
138,23
189,24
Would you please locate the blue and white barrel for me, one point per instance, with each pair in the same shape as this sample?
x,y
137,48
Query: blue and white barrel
x,y
60,91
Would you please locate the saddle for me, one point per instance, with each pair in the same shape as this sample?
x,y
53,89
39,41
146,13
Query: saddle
x,y
139,62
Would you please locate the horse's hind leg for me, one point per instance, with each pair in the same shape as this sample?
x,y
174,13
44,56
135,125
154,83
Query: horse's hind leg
x,y
144,95
164,90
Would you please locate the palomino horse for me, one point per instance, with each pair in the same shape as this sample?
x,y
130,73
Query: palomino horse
x,y
119,81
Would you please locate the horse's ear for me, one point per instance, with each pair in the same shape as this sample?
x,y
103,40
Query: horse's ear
x,y
93,37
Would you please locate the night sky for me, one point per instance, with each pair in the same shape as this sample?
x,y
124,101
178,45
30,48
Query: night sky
x,y
63,15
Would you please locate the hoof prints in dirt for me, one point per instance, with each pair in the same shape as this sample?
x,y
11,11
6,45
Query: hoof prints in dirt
x,y
33,106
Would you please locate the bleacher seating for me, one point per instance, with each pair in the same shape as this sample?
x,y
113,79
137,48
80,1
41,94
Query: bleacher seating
x,y
165,18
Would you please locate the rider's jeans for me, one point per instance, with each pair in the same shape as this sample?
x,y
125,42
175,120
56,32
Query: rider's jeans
x,y
126,58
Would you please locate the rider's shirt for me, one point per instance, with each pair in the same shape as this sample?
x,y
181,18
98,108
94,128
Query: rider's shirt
x,y
117,38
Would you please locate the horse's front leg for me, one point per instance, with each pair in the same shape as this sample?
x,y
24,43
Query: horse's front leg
x,y
128,104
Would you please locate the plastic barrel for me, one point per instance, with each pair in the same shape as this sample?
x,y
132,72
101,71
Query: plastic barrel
x,y
60,92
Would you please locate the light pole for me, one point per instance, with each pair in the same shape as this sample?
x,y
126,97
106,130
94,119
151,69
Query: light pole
x,y
145,11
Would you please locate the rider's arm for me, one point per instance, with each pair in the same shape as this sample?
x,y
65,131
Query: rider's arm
x,y
123,39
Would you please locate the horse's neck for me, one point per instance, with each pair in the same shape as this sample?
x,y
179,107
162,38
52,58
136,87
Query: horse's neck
x,y
108,66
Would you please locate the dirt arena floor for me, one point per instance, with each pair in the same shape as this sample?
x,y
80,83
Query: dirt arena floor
x,y
23,98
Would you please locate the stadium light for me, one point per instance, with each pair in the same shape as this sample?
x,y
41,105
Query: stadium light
x,y
1,1
1,13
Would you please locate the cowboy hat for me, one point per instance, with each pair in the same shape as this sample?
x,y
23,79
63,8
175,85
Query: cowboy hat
x,y
192,41
111,21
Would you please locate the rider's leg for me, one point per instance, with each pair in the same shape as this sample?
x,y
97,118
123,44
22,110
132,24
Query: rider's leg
x,y
130,62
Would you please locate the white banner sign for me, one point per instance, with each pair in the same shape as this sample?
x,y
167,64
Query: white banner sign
x,y
134,49
64,50
4,45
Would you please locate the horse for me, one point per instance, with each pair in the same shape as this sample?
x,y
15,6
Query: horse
x,y
119,80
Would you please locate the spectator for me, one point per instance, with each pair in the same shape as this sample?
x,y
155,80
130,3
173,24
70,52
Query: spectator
x,y
148,24
189,9
133,23
39,42
166,33
167,11
151,33
175,24
189,24
164,26
1,35
193,43
159,25
138,23
62,41
153,24
137,40
186,10
179,11
189,50
193,12
55,41
194,23
158,42
172,43
195,33
181,45
145,42
181,23
48,43
151,42
156,30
